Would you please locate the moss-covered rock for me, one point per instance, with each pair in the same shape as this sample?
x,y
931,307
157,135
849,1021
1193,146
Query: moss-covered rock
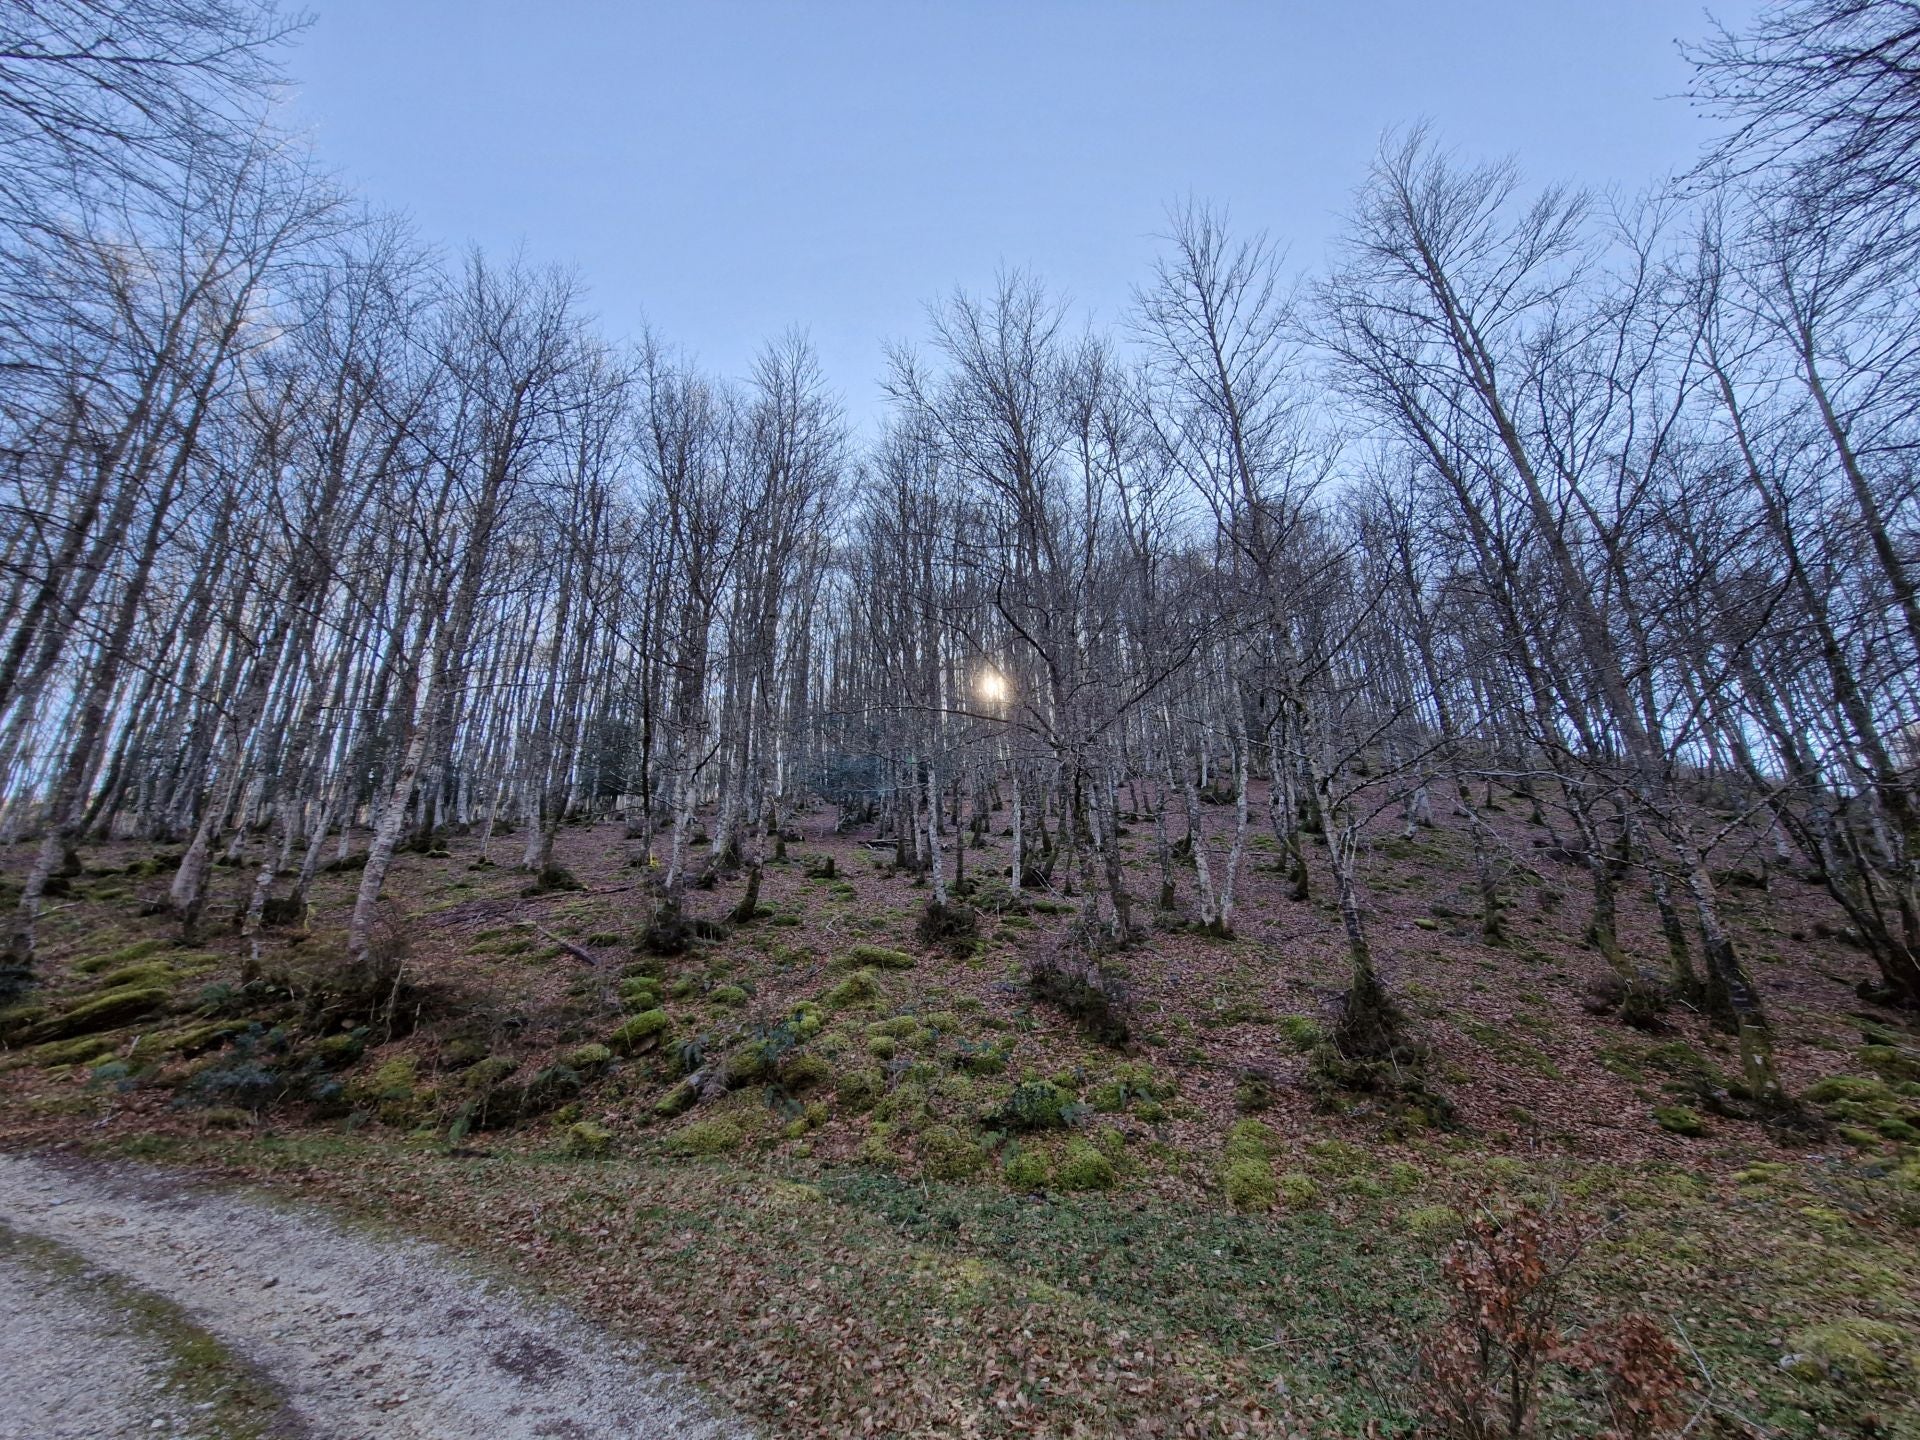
x,y
72,1052
147,972
126,955
105,1011
1678,1120
1848,1087
676,1101
640,993
641,1033
731,996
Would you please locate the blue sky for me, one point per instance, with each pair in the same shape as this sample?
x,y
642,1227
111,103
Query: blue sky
x,y
728,168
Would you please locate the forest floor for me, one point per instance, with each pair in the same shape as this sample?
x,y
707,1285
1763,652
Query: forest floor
x,y
914,1200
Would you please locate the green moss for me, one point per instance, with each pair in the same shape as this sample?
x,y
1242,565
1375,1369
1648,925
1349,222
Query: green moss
x,y
803,1072
72,1052
1248,1183
859,988
676,1101
640,993
483,1075
948,1154
732,996
1432,1222
104,1011
900,1027
588,1058
1852,1348
710,1137
586,1141
878,956
808,1017
1024,1168
1404,1179
1249,1139
860,1090
1678,1120
127,955
643,1032
1302,1032
1083,1167
1298,1190
390,1081
151,972
1338,1158
1847,1087
882,1047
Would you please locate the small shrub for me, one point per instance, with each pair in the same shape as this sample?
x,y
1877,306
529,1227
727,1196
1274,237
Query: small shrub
x,y
1090,993
951,926
1036,1105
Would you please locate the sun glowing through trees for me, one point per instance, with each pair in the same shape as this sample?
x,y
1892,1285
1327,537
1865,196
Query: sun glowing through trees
x,y
992,687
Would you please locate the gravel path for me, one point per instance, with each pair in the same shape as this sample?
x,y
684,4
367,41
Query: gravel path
x,y
362,1337
74,1364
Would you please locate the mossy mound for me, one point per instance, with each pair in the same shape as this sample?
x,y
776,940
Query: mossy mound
x,y
1852,1348
590,1058
1034,1105
1024,1168
710,1137
586,1141
642,1033
1249,1184
948,1154
126,955
860,988
880,957
1084,1167
1678,1120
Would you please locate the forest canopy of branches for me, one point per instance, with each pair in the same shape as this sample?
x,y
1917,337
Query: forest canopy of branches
x,y
315,539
